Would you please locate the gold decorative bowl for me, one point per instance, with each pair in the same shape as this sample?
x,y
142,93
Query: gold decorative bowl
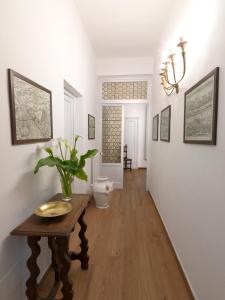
x,y
53,209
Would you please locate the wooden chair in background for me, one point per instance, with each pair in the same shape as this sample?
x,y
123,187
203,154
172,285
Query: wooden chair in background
x,y
127,162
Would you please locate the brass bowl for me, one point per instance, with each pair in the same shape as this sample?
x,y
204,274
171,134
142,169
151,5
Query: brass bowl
x,y
53,209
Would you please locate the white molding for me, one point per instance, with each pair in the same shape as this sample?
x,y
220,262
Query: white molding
x,y
111,164
123,101
116,78
68,88
108,103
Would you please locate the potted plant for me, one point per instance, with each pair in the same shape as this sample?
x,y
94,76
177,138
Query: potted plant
x,y
64,156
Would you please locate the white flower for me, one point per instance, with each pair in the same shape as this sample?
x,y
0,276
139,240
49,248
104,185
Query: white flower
x,y
67,144
50,145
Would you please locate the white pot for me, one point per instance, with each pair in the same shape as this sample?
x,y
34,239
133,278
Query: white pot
x,y
101,191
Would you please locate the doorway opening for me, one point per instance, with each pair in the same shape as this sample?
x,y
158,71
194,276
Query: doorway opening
x,y
128,128
131,141
134,142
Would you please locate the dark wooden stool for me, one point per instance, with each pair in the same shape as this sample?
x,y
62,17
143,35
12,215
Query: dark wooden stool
x,y
58,231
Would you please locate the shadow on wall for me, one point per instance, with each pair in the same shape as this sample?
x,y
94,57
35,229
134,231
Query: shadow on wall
x,y
9,251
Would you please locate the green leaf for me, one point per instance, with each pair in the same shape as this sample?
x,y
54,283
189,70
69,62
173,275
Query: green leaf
x,y
81,175
88,154
73,155
49,161
70,166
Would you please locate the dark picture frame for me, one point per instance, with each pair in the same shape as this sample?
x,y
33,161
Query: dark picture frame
x,y
30,110
91,127
165,123
155,128
200,110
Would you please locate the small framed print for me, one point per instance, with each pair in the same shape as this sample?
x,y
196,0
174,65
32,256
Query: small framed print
x,y
91,127
30,110
200,110
155,128
165,124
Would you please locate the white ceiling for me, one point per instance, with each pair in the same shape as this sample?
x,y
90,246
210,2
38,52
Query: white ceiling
x,y
119,28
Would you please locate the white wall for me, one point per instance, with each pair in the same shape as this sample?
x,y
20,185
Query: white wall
x,y
124,66
45,41
138,111
187,181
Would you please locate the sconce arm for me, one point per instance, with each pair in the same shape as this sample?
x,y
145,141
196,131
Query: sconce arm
x,y
184,66
169,93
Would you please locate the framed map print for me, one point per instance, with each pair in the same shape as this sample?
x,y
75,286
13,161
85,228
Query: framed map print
x,y
155,128
200,110
91,127
30,109
165,124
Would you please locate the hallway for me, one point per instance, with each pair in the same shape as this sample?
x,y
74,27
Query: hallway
x,y
130,256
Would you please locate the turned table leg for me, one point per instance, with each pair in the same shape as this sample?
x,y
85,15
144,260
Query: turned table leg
x,y
65,262
31,283
84,258
83,255
53,246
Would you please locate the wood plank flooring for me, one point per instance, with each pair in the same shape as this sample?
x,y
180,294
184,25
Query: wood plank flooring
x,y
130,255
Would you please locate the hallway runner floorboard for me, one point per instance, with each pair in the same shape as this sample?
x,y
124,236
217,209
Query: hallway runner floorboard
x,y
130,255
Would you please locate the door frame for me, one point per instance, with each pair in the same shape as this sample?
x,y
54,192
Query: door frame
x,y
111,169
137,139
72,93
73,101
101,101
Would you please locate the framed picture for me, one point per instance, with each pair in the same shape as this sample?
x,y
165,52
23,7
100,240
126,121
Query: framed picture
x,y
91,127
165,124
30,110
155,128
200,110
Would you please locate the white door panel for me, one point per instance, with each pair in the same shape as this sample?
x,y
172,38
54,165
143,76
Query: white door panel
x,y
69,118
73,123
131,139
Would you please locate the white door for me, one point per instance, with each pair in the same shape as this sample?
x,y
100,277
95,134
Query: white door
x,y
69,117
131,140
72,126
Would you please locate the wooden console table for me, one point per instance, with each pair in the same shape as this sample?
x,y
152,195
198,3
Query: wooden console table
x,y
58,231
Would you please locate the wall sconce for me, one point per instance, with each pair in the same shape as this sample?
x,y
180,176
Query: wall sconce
x,y
169,86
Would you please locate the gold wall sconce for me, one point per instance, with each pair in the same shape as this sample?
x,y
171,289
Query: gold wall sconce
x,y
168,85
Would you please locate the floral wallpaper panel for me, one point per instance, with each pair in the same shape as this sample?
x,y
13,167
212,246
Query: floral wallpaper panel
x,y
111,134
124,90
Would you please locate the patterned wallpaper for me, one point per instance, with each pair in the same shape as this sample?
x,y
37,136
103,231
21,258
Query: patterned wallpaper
x,y
124,90
111,134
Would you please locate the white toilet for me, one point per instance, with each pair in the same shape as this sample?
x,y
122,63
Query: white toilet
x,y
101,189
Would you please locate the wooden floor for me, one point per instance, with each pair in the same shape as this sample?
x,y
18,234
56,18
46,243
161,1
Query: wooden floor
x,y
130,255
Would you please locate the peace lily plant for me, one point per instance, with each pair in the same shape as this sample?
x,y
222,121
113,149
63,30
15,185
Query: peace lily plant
x,y
64,156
